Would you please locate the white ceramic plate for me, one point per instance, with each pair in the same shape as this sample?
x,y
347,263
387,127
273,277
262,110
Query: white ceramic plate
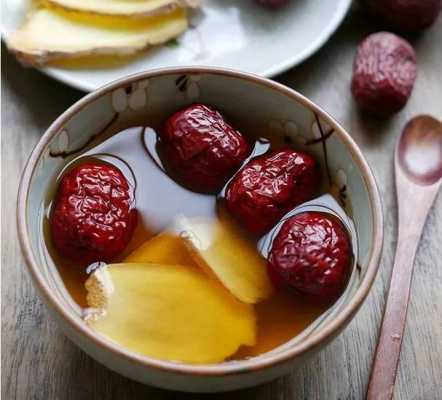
x,y
235,34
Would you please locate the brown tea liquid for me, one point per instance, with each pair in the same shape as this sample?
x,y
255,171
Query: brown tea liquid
x,y
158,201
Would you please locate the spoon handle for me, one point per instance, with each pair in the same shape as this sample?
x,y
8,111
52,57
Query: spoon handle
x,y
418,176
383,374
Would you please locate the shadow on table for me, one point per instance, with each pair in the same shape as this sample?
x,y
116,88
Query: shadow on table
x,y
91,380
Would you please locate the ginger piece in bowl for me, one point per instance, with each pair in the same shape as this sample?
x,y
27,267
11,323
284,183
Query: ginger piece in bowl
x,y
222,250
164,248
168,312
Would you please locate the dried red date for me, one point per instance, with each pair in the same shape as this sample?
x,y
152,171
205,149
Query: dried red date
x,y
312,255
408,15
269,186
384,72
93,216
201,150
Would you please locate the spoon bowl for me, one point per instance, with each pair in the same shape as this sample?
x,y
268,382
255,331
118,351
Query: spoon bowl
x,y
419,150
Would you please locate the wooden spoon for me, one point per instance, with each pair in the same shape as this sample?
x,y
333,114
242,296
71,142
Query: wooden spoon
x,y
418,170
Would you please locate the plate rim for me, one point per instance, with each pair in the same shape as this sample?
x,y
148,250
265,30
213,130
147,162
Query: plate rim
x,y
342,10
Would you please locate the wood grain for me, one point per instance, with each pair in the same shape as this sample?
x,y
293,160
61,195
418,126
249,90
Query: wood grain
x,y
38,362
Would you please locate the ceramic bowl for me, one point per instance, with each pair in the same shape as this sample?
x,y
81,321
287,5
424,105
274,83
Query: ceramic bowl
x,y
262,105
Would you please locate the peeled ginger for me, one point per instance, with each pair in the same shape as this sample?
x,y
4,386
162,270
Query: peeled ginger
x,y
165,248
168,312
222,250
54,35
126,8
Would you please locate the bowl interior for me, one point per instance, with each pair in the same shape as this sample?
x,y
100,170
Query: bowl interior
x,y
260,105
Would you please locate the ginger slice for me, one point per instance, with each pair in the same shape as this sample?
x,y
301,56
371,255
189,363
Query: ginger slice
x,y
165,248
50,35
168,312
126,8
221,249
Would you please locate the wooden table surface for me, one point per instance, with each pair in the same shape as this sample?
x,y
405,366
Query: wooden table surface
x,y
38,362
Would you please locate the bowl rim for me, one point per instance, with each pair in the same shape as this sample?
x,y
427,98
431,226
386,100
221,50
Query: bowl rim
x,y
221,369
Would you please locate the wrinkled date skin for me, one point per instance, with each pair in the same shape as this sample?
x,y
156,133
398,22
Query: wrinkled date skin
x,y
312,255
273,3
201,150
93,217
406,15
269,186
384,72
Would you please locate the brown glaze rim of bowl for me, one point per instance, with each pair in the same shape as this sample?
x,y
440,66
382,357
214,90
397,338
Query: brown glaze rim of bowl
x,y
238,367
